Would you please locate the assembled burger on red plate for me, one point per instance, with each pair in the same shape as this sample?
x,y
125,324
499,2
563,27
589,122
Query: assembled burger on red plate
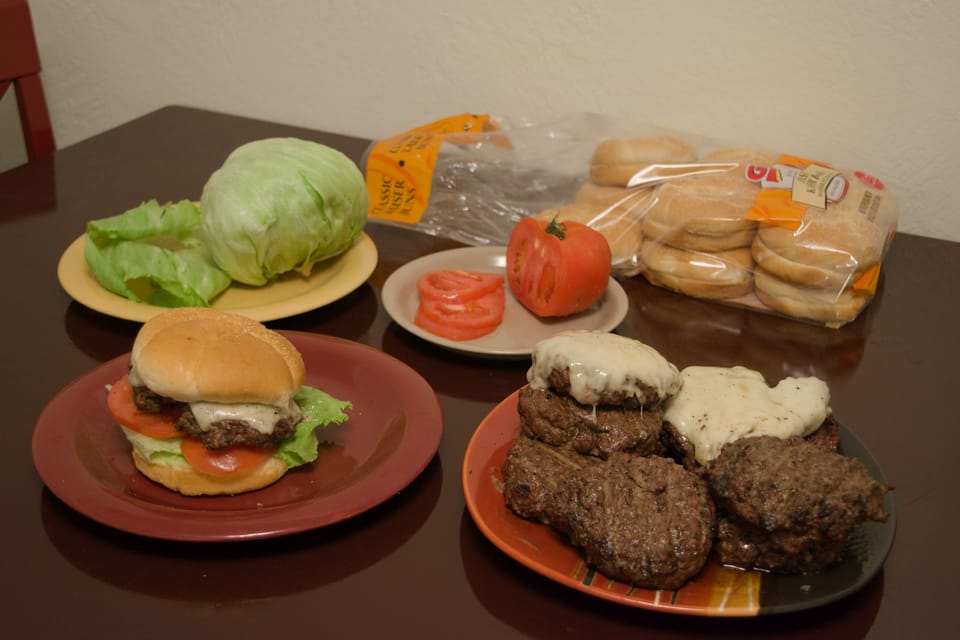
x,y
215,403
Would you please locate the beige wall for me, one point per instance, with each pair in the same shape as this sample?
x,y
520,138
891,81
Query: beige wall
x,y
867,84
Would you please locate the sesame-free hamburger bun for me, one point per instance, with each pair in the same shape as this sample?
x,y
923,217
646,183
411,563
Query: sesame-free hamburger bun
x,y
190,482
594,193
201,354
714,275
741,156
616,160
829,249
830,307
702,213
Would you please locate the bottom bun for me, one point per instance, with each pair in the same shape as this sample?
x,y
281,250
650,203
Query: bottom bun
x,y
191,482
831,308
797,272
719,275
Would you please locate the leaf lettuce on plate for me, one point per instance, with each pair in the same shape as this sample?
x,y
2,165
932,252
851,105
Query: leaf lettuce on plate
x,y
152,253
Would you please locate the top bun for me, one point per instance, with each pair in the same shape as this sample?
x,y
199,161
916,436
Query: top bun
x,y
616,160
742,157
200,354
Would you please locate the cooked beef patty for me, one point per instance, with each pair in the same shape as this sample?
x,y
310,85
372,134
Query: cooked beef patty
x,y
559,380
558,419
644,520
789,504
223,433
226,433
151,402
540,480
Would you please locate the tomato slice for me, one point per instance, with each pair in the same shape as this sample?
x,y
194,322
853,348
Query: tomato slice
x,y
457,285
155,425
557,268
163,425
462,320
221,462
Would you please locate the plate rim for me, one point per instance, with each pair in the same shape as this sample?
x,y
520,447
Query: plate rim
x,y
615,293
508,404
162,522
78,282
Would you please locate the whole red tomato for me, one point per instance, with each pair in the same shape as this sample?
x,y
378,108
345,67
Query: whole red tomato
x,y
557,268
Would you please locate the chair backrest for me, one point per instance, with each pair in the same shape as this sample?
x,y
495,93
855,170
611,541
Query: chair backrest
x,y
20,68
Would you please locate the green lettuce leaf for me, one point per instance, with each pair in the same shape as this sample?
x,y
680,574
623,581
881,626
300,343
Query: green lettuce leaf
x,y
156,450
319,409
279,205
152,254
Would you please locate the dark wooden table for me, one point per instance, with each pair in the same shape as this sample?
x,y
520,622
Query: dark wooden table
x,y
417,565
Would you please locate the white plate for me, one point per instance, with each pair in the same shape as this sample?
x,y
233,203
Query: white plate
x,y
286,296
520,329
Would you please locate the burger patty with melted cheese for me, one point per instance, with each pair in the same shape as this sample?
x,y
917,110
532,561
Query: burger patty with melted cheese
x,y
223,425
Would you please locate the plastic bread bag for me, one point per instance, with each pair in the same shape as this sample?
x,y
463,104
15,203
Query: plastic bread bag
x,y
706,218
473,177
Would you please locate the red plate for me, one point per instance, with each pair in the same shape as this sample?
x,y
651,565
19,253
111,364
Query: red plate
x,y
716,591
392,433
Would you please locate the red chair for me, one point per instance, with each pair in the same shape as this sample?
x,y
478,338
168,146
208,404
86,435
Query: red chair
x,y
20,67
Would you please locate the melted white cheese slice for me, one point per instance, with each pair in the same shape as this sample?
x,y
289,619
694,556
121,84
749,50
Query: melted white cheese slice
x,y
717,405
598,362
261,417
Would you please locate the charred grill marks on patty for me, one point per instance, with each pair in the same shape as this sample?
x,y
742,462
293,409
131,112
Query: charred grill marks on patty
x,y
644,520
559,420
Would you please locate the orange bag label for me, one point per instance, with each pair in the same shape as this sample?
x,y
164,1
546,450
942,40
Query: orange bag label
x,y
868,280
399,171
790,186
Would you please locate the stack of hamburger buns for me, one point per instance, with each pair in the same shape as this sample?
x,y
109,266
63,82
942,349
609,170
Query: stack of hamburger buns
x,y
706,222
697,234
823,270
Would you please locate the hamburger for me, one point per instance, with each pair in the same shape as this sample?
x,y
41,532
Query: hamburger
x,y
215,403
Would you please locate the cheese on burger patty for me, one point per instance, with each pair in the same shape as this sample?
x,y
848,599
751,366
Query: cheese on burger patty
x,y
717,405
599,362
260,417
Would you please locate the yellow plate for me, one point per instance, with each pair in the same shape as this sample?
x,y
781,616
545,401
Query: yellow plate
x,y
286,296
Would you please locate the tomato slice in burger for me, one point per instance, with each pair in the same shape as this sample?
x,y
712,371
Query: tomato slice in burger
x,y
462,320
457,285
224,461
155,425
557,268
